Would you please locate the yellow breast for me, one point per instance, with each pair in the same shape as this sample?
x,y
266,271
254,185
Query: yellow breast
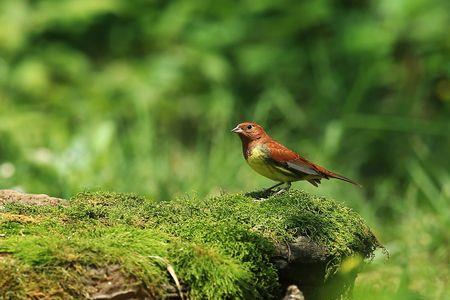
x,y
257,160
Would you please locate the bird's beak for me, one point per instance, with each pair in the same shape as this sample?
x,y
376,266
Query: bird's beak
x,y
237,129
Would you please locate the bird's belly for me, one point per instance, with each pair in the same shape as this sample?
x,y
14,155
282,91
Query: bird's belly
x,y
257,161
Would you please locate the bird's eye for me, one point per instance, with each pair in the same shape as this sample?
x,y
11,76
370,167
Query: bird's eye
x,y
249,127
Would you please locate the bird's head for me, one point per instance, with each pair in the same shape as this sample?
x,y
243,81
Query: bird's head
x,y
249,131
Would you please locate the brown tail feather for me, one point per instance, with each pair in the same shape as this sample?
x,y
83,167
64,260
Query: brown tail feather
x,y
327,174
343,178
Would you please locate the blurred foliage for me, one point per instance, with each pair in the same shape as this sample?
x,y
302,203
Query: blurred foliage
x,y
140,96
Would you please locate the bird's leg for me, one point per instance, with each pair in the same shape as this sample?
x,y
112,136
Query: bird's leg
x,y
285,189
272,187
288,185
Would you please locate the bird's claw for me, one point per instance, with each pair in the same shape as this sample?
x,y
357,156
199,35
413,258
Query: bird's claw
x,y
280,191
283,189
267,193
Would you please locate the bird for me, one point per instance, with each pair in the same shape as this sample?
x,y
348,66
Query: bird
x,y
277,162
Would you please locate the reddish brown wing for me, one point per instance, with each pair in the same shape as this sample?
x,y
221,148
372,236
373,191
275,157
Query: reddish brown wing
x,y
280,153
293,162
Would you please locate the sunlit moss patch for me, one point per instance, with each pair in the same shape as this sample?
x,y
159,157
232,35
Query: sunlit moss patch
x,y
219,247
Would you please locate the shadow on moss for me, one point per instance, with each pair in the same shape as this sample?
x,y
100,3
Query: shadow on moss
x,y
260,194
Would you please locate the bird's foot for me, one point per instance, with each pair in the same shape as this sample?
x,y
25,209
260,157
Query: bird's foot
x,y
267,193
270,190
283,189
261,195
259,199
279,192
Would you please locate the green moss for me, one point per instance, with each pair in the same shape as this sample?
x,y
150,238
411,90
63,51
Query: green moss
x,y
219,247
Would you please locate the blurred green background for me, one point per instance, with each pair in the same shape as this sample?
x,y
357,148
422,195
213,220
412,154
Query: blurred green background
x,y
140,96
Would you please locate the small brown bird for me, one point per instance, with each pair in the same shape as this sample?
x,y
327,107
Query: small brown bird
x,y
274,161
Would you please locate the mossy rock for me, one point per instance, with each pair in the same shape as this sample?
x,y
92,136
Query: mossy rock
x,y
120,246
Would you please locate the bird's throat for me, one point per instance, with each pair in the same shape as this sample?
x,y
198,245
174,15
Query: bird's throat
x,y
249,144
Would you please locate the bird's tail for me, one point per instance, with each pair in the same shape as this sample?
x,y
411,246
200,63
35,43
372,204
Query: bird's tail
x,y
343,178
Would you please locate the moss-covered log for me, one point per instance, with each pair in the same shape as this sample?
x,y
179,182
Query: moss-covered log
x,y
117,246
